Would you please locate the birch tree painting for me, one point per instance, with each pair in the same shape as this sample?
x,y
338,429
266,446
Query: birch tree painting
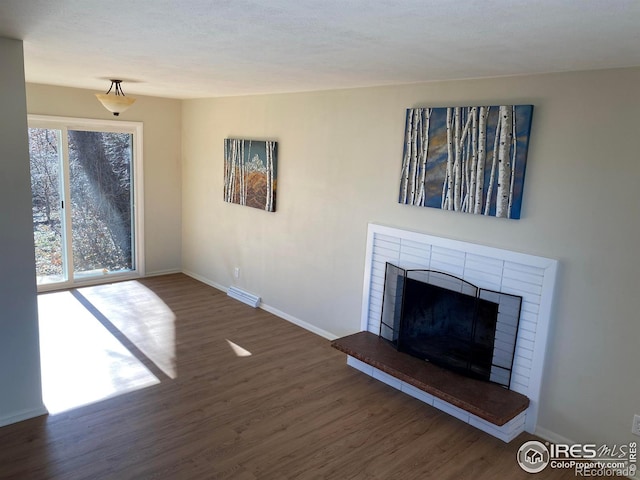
x,y
466,159
250,169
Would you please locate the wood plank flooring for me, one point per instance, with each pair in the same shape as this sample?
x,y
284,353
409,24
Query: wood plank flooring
x,y
292,409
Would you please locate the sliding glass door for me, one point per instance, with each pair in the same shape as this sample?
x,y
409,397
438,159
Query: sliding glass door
x,y
86,182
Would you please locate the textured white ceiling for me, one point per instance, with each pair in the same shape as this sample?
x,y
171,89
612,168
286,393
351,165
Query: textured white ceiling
x,y
208,48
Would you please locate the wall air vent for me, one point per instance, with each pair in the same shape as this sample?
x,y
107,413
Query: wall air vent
x,y
245,297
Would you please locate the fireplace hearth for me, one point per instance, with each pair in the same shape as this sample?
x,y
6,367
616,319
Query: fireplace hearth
x,y
484,400
505,271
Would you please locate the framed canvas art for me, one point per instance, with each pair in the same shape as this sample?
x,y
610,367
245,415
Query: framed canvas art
x,y
250,171
466,159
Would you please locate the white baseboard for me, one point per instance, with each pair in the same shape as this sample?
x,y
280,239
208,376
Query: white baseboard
x,y
202,279
23,415
552,437
297,321
269,308
157,273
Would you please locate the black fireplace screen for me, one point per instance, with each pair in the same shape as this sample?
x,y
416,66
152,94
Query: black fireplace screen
x,y
450,322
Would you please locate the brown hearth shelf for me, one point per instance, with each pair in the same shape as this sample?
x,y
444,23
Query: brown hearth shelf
x,y
486,400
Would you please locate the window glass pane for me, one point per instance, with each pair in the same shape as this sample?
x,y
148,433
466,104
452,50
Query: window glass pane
x,y
44,155
101,198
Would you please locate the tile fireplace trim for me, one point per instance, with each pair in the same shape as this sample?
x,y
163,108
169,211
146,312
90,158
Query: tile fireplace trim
x,y
529,276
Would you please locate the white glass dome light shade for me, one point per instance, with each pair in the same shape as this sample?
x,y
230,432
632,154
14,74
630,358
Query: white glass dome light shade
x,y
115,101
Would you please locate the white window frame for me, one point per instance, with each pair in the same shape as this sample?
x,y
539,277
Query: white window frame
x,y
65,124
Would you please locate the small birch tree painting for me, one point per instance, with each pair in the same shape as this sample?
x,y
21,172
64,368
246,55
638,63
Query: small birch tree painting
x,y
466,159
250,173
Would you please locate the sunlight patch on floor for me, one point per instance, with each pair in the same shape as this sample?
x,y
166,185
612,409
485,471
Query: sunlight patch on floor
x,y
238,350
81,361
153,331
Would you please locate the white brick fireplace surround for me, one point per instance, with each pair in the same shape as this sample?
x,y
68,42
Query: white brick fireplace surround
x,y
531,277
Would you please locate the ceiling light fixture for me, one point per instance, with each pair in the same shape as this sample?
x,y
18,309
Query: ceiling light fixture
x,y
114,100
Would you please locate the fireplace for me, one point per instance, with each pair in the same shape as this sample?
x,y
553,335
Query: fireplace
x,y
494,269
443,319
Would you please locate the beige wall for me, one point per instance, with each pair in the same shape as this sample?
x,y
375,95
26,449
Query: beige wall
x,y
338,169
162,165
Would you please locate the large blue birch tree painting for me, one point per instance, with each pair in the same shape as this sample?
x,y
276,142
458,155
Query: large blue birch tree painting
x,y
466,159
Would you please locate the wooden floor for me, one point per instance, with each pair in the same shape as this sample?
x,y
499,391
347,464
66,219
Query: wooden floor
x,y
291,409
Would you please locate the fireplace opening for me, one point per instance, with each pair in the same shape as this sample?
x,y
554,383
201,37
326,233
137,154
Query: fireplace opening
x,y
450,322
